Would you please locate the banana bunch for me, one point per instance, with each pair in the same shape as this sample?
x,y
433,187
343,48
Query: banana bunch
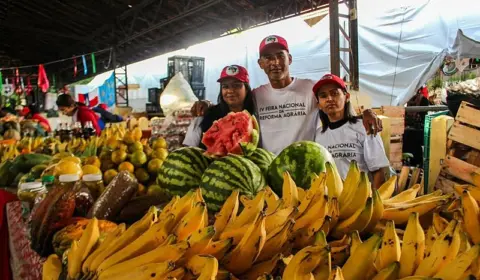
x,y
9,152
76,145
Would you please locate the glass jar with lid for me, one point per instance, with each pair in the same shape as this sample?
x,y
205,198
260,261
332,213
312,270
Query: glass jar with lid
x,y
68,180
48,181
94,183
27,192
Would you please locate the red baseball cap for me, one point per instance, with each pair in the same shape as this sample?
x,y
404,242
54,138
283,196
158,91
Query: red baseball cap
x,y
273,40
234,71
329,79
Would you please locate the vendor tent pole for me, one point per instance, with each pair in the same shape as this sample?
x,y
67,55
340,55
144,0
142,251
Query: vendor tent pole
x,y
334,38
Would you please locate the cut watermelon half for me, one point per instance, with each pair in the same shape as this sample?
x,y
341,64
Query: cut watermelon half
x,y
236,133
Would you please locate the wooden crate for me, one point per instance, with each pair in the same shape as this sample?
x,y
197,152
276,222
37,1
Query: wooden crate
x,y
408,177
395,120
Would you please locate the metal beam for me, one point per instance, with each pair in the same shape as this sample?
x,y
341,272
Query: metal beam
x,y
334,38
353,28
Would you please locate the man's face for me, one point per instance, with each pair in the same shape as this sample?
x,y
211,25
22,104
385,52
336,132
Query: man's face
x,y
68,111
275,61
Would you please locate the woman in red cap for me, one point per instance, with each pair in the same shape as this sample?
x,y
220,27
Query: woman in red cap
x,y
344,135
235,96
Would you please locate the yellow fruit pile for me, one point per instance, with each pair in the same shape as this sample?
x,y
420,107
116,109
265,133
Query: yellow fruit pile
x,y
287,236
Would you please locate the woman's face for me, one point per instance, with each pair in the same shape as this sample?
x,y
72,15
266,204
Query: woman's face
x,y
69,111
331,99
233,92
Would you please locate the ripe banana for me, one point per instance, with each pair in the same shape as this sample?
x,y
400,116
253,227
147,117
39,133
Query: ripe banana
x,y
249,213
387,189
390,250
333,180
336,274
279,218
163,253
197,242
242,257
191,222
227,214
459,265
340,254
413,246
430,238
432,262
358,221
400,215
219,248
439,222
236,234
333,212
199,198
150,239
406,195
271,197
362,259
52,268
210,269
324,268
471,214
388,273
73,266
474,190
147,271
306,236
89,238
169,207
355,241
178,273
264,267
310,196
316,211
377,212
361,194
301,193
196,263
275,241
435,196
289,191
464,243
304,262
183,206
350,185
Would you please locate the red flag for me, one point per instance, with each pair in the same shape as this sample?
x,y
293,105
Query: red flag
x,y
42,78
74,67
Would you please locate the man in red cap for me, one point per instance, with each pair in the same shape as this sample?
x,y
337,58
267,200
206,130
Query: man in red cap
x,y
286,108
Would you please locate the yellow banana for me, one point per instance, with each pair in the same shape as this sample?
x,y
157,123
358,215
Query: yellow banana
x,y
242,257
474,190
388,273
150,239
333,180
361,194
387,189
454,248
227,214
400,215
249,213
245,200
196,263
278,205
324,268
304,262
333,212
279,218
199,198
471,216
301,193
439,222
236,234
89,238
344,241
210,269
73,266
340,254
406,195
358,221
109,240
430,238
183,206
167,252
350,185
264,267
178,273
362,259
433,261
168,208
146,271
198,241
271,197
191,222
377,212
413,246
311,195
336,274
275,241
289,191
435,196
464,243
306,236
390,250
52,268
219,248
459,265
355,241
316,211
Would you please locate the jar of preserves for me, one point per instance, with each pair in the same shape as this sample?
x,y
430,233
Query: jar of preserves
x,y
94,183
68,180
27,192
48,181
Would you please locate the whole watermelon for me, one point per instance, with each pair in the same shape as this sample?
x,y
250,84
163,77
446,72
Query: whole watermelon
x,y
227,174
302,160
262,158
182,170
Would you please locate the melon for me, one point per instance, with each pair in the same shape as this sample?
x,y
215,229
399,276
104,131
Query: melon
x,y
236,133
303,160
182,170
262,158
232,172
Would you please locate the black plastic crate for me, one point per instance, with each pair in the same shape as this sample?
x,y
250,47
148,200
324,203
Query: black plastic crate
x,y
154,95
153,108
199,92
192,68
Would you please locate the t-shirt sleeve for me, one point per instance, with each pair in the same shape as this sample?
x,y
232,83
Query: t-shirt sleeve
x,y
374,153
194,133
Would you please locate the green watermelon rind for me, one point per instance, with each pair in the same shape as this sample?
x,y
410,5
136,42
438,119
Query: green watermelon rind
x,y
182,170
262,158
303,160
227,174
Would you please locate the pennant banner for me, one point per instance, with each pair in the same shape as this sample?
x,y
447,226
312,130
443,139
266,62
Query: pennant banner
x,y
107,92
43,82
85,69
94,64
74,67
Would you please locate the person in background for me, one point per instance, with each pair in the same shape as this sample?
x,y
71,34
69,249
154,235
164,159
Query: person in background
x,y
235,96
287,110
78,111
105,115
344,135
31,113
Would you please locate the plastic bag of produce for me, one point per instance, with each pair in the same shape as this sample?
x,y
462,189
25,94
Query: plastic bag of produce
x,y
177,95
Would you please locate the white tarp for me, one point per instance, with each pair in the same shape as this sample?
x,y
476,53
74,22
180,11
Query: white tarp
x,y
401,45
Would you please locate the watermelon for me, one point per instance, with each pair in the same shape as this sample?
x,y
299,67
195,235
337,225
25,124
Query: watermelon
x,y
303,160
236,133
262,158
182,170
227,174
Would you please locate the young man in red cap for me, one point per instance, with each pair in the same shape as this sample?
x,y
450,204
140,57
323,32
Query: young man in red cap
x,y
286,109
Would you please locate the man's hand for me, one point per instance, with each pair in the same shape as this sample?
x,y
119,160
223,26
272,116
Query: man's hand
x,y
200,107
372,123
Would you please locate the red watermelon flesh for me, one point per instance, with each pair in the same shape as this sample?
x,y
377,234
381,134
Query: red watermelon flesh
x,y
236,133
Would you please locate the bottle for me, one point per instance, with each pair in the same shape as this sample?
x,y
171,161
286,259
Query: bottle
x,y
27,192
68,180
48,181
89,130
77,130
94,183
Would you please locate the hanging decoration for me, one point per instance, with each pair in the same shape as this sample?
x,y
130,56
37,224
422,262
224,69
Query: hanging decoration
x,y
1,84
94,64
54,82
74,66
85,68
29,85
42,78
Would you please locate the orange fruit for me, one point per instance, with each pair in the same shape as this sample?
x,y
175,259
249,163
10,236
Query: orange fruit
x,y
126,166
137,133
119,156
142,175
109,175
91,169
160,143
93,161
138,158
67,167
136,146
128,138
141,190
154,165
155,190
160,153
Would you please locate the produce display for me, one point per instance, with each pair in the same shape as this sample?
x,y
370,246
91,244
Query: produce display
x,y
329,230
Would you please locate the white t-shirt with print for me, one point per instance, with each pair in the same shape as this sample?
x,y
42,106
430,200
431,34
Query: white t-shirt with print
x,y
351,142
286,115
194,133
